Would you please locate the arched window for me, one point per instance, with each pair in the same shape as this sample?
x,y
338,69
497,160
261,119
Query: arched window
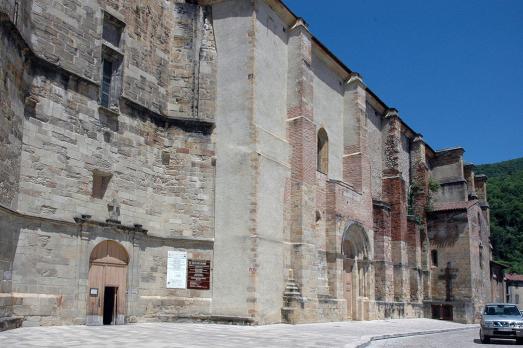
x,y
323,152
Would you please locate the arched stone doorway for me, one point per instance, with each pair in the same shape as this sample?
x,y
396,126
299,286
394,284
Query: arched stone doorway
x,y
107,284
356,267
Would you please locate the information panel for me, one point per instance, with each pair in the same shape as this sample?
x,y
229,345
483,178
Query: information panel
x,y
176,269
199,274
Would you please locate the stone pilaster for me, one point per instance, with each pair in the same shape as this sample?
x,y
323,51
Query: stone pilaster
x,y
302,138
480,184
384,270
394,189
469,177
356,163
354,131
418,246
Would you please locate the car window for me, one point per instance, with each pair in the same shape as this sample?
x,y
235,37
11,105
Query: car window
x,y
501,310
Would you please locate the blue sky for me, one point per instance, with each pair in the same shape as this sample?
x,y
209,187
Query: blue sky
x,y
453,68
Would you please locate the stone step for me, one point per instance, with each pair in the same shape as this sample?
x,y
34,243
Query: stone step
x,y
10,323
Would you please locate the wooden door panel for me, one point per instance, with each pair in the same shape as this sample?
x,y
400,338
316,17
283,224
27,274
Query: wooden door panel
x,y
122,290
96,281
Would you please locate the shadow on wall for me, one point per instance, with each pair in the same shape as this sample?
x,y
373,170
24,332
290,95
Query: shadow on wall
x,y
9,236
444,229
39,264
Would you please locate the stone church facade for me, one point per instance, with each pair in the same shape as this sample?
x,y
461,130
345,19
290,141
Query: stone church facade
x,y
225,135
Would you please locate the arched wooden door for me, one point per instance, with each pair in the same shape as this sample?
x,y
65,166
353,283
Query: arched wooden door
x,y
107,284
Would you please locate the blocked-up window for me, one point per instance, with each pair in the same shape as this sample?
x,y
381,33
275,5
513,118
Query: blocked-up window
x,y
100,183
112,30
323,152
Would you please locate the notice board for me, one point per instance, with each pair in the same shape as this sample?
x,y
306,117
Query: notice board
x,y
199,274
176,269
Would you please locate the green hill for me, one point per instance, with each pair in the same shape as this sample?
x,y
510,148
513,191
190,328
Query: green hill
x,y
505,197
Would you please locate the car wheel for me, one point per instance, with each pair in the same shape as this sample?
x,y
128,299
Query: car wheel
x,y
484,339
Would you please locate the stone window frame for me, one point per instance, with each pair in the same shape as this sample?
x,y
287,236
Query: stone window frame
x,y
322,151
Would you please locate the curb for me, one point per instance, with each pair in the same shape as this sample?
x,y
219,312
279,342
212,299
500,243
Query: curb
x,y
409,334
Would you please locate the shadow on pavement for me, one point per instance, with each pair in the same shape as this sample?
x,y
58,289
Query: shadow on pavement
x,y
495,341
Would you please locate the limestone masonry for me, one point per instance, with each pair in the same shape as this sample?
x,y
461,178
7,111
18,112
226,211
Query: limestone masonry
x,y
211,160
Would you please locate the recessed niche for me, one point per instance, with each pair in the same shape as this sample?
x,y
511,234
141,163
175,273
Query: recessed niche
x,y
166,158
100,183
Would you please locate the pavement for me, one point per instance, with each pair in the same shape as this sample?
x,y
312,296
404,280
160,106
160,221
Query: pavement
x,y
461,339
336,334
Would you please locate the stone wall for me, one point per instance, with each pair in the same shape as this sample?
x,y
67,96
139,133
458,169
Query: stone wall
x,y
47,283
449,235
498,284
448,170
234,269
168,47
68,140
272,150
480,256
56,142
515,292
247,192
328,110
161,177
463,270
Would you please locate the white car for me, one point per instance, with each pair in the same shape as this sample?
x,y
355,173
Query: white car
x,y
501,320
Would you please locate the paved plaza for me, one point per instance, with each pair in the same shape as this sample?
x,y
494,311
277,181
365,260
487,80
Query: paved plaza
x,y
338,334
